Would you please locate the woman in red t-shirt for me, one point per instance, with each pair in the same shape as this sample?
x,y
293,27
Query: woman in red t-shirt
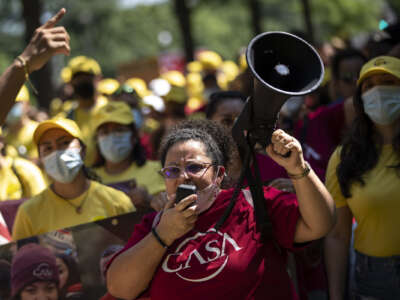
x,y
178,254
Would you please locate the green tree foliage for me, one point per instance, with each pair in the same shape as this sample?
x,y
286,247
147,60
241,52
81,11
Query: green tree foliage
x,y
11,32
345,18
114,35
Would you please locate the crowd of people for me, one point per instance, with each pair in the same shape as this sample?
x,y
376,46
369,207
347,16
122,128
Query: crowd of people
x,y
107,147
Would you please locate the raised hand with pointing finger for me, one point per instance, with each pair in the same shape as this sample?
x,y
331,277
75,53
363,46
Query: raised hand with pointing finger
x,y
48,40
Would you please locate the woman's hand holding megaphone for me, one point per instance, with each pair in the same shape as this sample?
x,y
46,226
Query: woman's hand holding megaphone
x,y
286,151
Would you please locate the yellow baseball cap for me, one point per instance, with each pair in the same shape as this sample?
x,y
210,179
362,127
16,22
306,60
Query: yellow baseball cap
x,y
23,94
379,65
66,74
175,78
194,67
57,123
107,86
195,85
209,60
80,64
139,85
230,69
114,111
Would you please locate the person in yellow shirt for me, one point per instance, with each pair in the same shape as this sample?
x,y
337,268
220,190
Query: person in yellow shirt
x,y
363,177
19,178
84,73
72,198
20,128
122,162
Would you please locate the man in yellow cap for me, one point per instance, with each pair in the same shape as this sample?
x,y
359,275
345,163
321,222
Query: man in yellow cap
x,y
20,127
85,74
73,197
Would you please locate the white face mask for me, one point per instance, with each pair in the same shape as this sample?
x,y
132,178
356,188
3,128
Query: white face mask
x,y
382,104
116,146
63,165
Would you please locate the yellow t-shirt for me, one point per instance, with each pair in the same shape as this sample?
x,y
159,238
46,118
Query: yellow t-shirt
x,y
24,181
48,212
146,175
22,140
375,206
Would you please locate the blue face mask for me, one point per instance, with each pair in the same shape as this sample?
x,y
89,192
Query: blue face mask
x,y
15,113
116,146
382,104
63,165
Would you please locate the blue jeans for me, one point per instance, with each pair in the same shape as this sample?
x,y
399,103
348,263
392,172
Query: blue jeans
x,y
376,278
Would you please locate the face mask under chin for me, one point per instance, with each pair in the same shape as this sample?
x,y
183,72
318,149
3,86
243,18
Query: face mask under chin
x,y
207,195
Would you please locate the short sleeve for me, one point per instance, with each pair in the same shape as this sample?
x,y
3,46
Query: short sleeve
x,y
284,213
331,181
124,204
22,227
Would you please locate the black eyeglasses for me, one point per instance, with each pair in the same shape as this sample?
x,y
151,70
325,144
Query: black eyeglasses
x,y
193,169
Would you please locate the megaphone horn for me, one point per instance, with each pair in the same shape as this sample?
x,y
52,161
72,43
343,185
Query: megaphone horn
x,y
282,65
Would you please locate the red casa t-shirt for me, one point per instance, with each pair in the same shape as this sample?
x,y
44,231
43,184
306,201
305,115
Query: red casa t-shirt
x,y
231,263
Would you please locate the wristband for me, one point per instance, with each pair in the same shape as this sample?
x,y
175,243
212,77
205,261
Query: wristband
x,y
26,69
155,234
305,172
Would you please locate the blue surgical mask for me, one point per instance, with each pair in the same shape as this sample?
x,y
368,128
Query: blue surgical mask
x,y
382,104
116,146
15,113
63,165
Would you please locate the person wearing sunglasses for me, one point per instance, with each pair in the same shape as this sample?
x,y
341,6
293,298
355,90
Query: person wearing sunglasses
x,y
180,253
122,162
363,177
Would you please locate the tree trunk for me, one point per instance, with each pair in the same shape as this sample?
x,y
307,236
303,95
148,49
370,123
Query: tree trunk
x,y
182,11
42,78
255,11
307,20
